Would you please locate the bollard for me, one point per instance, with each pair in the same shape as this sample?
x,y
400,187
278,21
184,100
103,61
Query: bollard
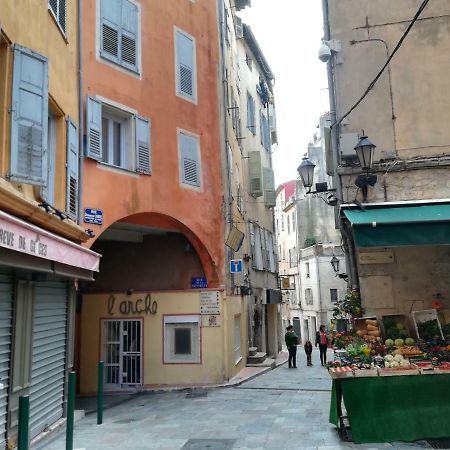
x,y
24,420
70,411
100,393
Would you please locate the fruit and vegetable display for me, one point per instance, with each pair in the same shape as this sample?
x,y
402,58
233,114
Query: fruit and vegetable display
x,y
372,350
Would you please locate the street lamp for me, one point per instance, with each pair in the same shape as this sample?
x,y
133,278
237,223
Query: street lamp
x,y
364,150
306,172
335,264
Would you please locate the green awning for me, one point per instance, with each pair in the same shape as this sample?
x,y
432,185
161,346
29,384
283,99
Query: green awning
x,y
405,225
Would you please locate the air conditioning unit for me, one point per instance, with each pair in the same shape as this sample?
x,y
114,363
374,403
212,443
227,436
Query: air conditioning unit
x,y
238,28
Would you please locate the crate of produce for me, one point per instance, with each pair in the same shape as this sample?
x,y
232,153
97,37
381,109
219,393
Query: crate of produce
x,y
397,326
341,372
368,328
427,325
363,373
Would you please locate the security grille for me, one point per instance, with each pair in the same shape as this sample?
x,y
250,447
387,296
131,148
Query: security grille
x,y
49,354
6,312
122,347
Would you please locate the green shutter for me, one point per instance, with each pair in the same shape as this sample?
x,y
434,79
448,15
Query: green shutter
x,y
254,171
143,146
72,170
29,117
94,128
269,188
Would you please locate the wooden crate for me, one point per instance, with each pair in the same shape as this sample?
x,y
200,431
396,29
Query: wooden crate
x,y
398,318
360,323
388,372
424,316
364,373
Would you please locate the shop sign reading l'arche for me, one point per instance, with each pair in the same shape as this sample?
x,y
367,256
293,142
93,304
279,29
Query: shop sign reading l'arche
x,y
129,307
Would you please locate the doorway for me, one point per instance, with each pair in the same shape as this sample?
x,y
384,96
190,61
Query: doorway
x,y
122,353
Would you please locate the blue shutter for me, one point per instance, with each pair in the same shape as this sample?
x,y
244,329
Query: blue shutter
x,y
94,128
129,35
72,170
185,58
190,164
143,146
110,23
29,118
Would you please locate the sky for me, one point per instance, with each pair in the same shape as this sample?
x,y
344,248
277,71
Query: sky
x,y
289,33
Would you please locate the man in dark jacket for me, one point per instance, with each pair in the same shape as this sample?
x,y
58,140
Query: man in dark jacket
x,y
291,343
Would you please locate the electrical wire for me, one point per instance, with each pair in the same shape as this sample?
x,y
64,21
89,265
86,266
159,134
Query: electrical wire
x,y
374,81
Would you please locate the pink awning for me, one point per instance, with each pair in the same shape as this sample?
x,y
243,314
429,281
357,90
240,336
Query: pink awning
x,y
18,235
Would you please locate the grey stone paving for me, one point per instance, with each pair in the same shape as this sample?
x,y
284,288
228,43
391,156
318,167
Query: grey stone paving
x,y
282,409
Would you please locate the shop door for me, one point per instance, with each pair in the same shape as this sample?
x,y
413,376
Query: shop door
x,y
6,313
297,330
122,353
49,354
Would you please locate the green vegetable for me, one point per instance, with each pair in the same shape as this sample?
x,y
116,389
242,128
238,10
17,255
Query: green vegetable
x,y
409,341
399,342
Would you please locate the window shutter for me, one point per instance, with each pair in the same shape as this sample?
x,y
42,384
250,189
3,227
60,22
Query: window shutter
x,y
94,128
269,188
185,65
143,146
189,153
258,249
251,114
254,169
129,35
111,21
29,118
72,170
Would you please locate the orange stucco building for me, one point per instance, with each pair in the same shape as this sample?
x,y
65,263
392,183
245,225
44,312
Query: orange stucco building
x,y
152,167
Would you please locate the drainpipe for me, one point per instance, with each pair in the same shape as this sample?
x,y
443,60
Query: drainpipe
x,y
349,249
80,113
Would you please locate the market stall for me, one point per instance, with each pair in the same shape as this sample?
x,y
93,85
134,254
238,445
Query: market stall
x,y
394,388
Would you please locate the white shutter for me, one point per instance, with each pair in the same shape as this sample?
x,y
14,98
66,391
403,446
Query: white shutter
x,y
185,65
59,8
269,187
189,155
129,35
254,169
258,248
72,170
111,22
251,114
143,146
94,128
29,118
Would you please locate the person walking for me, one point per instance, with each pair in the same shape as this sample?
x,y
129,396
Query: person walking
x,y
322,342
308,350
291,340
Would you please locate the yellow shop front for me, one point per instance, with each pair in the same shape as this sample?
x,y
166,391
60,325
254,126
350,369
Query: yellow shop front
x,y
170,338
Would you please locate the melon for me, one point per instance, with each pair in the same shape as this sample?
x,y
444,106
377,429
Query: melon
x,y
389,343
399,342
409,341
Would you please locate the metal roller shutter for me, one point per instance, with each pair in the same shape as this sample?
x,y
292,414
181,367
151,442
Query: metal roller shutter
x,y
49,354
6,314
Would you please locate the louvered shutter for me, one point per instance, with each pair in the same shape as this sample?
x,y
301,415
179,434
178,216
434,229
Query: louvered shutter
x,y
185,65
269,187
143,146
189,154
72,170
251,114
94,128
254,169
111,23
129,35
29,118
58,7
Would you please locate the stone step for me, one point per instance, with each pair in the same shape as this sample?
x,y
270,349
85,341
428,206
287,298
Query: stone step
x,y
258,358
268,362
252,351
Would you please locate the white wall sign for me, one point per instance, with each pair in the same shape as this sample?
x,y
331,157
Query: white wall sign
x,y
209,302
211,321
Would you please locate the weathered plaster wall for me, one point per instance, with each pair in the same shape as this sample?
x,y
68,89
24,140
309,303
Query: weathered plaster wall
x,y
152,94
408,284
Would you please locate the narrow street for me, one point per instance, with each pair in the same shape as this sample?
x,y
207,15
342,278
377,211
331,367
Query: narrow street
x,y
281,409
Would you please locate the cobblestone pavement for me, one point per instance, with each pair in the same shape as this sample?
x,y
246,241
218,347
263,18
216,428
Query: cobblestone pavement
x,y
282,409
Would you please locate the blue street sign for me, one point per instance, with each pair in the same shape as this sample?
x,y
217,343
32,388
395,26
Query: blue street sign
x,y
94,216
199,282
235,265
